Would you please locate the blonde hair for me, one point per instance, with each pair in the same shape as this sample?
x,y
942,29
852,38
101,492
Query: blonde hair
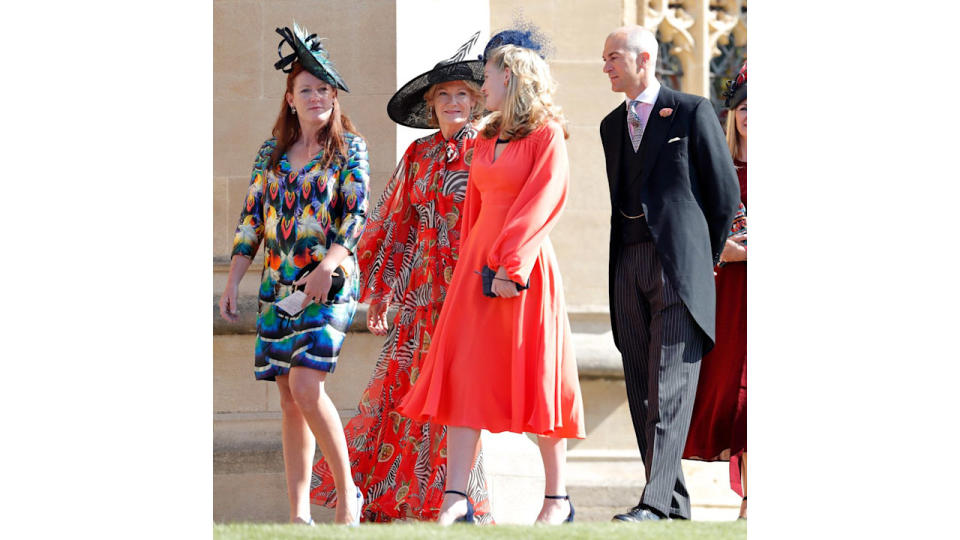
x,y
529,100
733,138
472,88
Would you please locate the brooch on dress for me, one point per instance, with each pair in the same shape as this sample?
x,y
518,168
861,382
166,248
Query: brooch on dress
x,y
451,151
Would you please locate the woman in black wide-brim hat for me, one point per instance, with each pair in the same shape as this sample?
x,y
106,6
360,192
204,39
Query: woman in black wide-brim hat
x,y
407,256
307,203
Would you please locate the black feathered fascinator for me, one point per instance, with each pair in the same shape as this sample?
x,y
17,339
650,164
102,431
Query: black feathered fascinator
x,y
311,54
408,108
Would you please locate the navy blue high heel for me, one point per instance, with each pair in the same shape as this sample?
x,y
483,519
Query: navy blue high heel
x,y
567,497
468,517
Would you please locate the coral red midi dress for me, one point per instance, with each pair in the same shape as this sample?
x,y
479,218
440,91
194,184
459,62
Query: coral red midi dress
x,y
506,364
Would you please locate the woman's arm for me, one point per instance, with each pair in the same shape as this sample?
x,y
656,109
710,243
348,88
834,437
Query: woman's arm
x,y
392,223
735,248
249,234
228,300
535,211
354,183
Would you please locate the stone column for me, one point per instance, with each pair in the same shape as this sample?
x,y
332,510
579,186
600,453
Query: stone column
x,y
697,77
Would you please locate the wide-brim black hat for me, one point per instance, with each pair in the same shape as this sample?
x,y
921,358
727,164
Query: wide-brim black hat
x,y
311,54
408,108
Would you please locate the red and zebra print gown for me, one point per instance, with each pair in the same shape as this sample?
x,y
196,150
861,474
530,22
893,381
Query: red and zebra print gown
x,y
406,256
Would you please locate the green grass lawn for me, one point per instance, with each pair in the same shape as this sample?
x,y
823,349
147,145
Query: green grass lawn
x,y
672,530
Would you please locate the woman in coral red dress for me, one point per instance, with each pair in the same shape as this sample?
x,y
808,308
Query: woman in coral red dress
x,y
718,427
506,363
407,256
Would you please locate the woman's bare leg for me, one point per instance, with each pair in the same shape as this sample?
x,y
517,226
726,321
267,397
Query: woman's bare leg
x,y
306,387
298,446
553,452
463,445
743,481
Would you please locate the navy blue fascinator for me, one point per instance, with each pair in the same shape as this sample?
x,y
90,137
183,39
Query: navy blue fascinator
x,y
523,34
311,54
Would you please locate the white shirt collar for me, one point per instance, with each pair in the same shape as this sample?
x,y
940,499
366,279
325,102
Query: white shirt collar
x,y
649,94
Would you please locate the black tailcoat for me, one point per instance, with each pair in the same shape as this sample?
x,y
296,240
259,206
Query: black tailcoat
x,y
689,193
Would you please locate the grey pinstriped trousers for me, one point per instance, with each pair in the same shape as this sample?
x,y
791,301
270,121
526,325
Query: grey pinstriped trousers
x,y
661,347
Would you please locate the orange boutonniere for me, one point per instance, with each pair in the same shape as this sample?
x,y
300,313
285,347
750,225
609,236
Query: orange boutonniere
x,y
665,112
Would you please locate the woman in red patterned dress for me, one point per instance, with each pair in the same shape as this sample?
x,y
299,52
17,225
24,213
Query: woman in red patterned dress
x,y
718,427
407,256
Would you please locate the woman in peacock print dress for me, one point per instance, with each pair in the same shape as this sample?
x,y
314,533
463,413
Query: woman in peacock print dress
x,y
407,256
307,204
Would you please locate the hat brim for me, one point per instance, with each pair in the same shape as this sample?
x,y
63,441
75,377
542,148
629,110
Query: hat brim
x,y
407,106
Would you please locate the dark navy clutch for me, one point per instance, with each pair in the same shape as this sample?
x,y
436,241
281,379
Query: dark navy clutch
x,y
487,274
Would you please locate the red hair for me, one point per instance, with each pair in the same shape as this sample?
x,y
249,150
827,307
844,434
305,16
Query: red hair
x,y
331,136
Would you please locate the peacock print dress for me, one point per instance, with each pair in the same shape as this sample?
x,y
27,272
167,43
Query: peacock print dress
x,y
298,215
407,256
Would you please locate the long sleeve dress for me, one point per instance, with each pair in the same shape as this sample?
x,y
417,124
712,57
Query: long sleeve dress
x,y
298,215
718,426
407,258
506,364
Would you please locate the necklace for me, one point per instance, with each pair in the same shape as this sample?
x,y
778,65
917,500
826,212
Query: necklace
x,y
502,141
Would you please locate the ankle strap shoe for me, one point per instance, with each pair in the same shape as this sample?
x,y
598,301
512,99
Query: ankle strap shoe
x,y
567,498
468,517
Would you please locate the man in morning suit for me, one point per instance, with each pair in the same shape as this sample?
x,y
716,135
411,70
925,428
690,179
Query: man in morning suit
x,y
673,195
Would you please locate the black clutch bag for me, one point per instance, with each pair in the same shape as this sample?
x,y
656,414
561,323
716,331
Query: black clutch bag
x,y
487,274
338,278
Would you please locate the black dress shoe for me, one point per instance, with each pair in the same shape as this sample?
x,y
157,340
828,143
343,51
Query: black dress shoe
x,y
638,513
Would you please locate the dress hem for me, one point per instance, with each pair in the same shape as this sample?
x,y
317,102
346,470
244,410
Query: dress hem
x,y
560,434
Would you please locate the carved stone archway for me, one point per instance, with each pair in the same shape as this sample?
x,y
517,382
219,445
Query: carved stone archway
x,y
693,28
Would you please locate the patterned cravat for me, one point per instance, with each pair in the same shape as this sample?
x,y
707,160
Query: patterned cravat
x,y
636,122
